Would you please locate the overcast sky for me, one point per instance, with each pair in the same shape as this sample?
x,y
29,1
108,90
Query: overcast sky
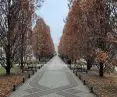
x,y
54,12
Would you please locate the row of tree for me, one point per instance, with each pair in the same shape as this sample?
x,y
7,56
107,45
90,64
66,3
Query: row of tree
x,y
43,46
15,30
88,28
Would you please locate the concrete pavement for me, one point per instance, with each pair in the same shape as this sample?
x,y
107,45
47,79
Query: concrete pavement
x,y
53,80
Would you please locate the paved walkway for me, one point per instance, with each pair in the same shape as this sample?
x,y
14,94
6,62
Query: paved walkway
x,y
53,80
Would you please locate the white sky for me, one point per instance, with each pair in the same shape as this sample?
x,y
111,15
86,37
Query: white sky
x,y
54,12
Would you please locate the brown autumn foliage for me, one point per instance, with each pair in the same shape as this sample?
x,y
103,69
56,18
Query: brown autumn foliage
x,y
10,29
85,30
7,82
15,22
102,56
41,40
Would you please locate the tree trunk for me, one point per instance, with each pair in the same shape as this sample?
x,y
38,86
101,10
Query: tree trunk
x,y
22,60
22,52
22,64
8,46
101,70
8,67
89,64
39,58
8,70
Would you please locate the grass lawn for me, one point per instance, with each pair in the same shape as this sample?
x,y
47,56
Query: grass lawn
x,y
13,70
2,70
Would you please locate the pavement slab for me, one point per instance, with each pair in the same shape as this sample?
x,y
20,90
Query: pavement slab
x,y
53,80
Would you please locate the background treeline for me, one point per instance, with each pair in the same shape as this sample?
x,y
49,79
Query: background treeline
x,y
43,46
16,19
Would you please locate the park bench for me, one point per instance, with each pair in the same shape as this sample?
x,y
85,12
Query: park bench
x,y
80,67
32,67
